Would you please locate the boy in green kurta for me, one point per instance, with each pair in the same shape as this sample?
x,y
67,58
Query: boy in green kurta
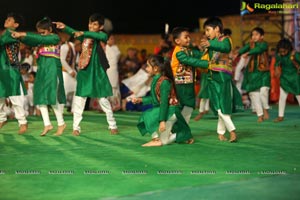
x,y
11,82
257,74
183,64
92,80
164,120
289,62
224,97
48,85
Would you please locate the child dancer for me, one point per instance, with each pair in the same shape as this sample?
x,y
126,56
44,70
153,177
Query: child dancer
x,y
257,74
49,85
92,80
289,62
11,83
224,97
164,121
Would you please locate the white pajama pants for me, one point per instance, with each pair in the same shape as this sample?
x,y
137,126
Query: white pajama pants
x,y
187,113
204,105
167,137
260,100
224,122
18,106
58,110
78,107
282,102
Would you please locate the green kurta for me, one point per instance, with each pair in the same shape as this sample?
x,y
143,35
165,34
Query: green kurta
x,y
93,80
290,77
10,78
186,92
255,80
48,84
162,111
223,94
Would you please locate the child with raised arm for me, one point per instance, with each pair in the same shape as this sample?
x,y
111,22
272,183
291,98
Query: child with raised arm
x,y
11,82
289,62
164,120
92,80
48,85
257,74
224,97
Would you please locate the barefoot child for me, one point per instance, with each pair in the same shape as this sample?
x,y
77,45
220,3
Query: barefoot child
x,y
164,121
49,85
289,61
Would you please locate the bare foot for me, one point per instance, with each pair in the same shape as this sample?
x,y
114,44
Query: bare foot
x,y
260,119
278,119
199,116
190,141
233,137
76,132
46,130
60,129
222,137
114,131
23,128
153,143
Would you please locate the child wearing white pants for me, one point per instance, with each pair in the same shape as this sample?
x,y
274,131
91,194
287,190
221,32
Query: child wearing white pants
x,y
78,107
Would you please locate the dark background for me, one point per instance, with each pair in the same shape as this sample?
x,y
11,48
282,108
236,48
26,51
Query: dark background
x,y
127,17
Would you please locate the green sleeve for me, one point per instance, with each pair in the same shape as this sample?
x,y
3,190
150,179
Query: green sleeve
x,y
96,35
259,48
6,38
33,39
196,53
244,49
223,46
147,100
165,90
191,61
69,30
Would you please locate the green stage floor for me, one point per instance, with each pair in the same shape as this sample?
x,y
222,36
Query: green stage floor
x,y
263,164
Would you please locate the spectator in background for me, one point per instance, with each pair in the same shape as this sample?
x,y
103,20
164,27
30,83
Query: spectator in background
x,y
113,54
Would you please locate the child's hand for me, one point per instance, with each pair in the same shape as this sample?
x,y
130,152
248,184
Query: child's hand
x,y
245,55
78,34
204,43
136,100
162,126
16,34
59,25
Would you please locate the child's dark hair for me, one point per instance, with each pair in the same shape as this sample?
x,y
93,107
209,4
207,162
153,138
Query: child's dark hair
x,y
18,18
214,22
227,32
176,32
25,66
284,44
259,30
163,64
46,24
97,17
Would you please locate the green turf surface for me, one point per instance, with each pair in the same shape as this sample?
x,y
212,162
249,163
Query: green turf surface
x,y
263,164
